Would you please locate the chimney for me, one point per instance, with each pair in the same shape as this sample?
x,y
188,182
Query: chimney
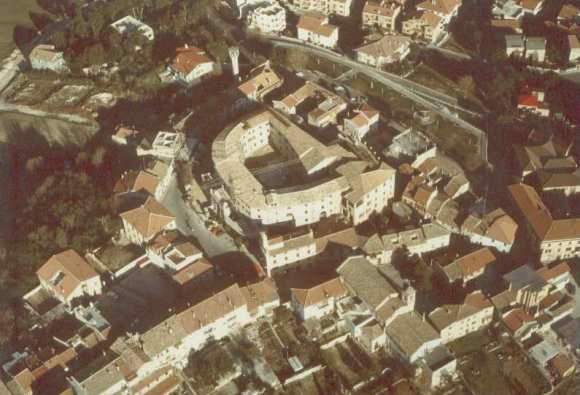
x,y
234,57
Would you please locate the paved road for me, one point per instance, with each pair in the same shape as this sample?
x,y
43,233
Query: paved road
x,y
190,223
413,91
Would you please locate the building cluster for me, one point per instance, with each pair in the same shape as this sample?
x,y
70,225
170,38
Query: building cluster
x,y
387,244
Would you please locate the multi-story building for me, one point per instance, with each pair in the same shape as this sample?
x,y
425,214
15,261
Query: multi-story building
x,y
316,29
515,45
146,221
268,17
191,65
458,320
354,193
536,48
552,238
383,14
326,7
387,50
422,24
317,301
261,81
364,120
47,57
528,287
427,238
495,229
67,276
468,268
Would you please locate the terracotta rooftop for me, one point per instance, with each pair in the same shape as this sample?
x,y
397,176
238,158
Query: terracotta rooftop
x,y
149,219
532,208
516,318
319,293
188,58
316,24
66,271
260,293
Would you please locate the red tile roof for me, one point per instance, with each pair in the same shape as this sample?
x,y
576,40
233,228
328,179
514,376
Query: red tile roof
x,y
72,268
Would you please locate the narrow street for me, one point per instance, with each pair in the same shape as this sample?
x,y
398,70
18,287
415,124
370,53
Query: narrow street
x,y
190,223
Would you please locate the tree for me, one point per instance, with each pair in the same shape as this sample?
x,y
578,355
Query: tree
x,y
40,19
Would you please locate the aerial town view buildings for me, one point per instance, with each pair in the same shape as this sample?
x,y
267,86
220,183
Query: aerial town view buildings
x,y
292,197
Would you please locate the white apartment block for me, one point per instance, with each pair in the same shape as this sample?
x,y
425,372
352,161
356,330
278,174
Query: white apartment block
x,y
269,17
326,7
129,24
167,144
427,238
554,238
351,194
318,301
46,57
383,14
456,321
285,250
318,31
365,120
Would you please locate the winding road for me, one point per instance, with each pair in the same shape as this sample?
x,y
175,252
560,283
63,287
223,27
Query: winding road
x,y
426,97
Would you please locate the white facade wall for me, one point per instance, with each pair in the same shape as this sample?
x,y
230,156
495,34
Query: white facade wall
x,y
268,19
431,244
559,249
199,72
536,54
289,257
485,241
448,370
574,54
359,132
316,311
374,201
132,234
467,325
424,350
58,64
319,39
302,213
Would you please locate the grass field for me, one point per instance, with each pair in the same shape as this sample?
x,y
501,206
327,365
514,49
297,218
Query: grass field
x,y
12,13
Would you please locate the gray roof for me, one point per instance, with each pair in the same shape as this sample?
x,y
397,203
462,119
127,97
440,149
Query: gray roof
x,y
568,328
524,276
409,332
363,279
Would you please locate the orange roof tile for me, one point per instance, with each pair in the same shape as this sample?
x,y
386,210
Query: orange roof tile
x,y
148,219
72,269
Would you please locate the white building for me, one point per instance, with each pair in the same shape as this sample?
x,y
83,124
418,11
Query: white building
x,y
383,14
419,241
317,30
326,7
495,229
130,24
387,50
269,17
553,238
46,57
68,276
515,45
412,337
317,301
143,223
456,321
166,145
192,65
536,48
354,193
365,120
